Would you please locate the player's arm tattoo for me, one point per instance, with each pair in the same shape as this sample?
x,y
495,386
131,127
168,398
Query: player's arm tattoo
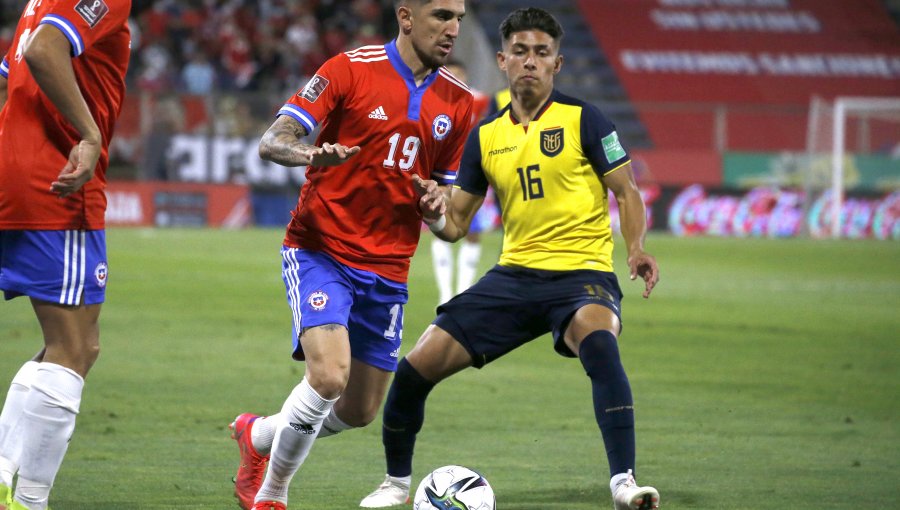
x,y
283,143
324,327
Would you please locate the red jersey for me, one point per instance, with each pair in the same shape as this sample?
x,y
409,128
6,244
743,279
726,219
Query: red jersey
x,y
481,104
365,212
35,139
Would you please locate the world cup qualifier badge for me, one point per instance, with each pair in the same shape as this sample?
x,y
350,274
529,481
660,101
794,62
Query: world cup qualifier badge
x,y
441,126
318,300
92,11
314,88
101,272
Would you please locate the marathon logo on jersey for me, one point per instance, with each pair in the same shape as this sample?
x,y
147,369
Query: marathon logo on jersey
x,y
92,11
314,88
503,150
100,274
552,141
441,127
318,300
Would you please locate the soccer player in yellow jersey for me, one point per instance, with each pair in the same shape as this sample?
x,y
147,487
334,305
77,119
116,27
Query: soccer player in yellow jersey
x,y
551,159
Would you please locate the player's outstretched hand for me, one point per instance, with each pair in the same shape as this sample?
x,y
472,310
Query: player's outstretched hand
x,y
644,265
331,154
79,168
431,199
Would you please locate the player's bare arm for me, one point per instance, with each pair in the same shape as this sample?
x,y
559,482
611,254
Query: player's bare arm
x,y
49,59
633,220
460,212
282,143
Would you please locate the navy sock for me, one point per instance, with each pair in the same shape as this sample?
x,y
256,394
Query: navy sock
x,y
404,413
613,405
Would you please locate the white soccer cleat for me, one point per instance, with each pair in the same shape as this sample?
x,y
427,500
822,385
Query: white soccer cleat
x,y
630,496
391,492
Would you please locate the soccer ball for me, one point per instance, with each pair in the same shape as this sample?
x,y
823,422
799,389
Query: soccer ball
x,y
454,488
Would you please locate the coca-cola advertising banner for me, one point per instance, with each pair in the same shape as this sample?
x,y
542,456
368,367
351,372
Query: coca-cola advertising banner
x,y
748,51
765,211
774,212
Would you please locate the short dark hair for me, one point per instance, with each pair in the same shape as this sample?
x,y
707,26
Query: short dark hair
x,y
531,18
398,3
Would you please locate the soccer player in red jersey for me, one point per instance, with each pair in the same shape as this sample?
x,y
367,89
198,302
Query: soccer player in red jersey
x,y
392,124
61,89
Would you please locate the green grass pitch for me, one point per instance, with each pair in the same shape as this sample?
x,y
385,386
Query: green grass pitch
x,y
766,375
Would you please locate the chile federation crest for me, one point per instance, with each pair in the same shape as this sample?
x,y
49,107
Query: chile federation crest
x,y
441,127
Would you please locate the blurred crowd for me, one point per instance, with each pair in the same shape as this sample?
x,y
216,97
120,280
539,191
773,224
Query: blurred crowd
x,y
203,71
202,46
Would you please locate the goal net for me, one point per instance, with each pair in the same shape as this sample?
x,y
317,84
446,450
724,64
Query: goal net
x,y
852,143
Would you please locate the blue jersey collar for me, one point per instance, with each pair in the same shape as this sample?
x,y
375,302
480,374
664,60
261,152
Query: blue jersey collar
x,y
415,93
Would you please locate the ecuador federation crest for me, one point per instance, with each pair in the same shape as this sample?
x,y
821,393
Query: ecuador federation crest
x,y
552,141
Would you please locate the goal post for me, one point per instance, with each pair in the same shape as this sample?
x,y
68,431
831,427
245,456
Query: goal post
x,y
827,131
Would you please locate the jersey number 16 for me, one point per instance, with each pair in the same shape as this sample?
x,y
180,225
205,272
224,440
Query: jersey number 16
x,y
532,187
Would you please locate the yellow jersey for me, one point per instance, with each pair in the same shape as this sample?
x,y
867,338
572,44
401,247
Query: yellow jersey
x,y
554,206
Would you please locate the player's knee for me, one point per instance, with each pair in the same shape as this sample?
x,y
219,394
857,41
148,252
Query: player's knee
x,y
328,383
357,418
90,354
599,352
405,405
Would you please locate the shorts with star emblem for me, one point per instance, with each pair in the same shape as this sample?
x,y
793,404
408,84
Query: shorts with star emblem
x,y
511,306
321,290
67,267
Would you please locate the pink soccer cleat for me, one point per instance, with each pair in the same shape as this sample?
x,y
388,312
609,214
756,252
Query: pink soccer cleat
x,y
253,465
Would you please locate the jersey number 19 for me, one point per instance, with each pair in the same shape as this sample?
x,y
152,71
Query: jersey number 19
x,y
410,151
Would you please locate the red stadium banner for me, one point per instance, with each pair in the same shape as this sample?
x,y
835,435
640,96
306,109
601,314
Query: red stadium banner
x,y
750,51
176,204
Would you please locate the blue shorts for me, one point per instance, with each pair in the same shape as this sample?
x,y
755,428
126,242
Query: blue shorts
x,y
57,266
321,290
509,307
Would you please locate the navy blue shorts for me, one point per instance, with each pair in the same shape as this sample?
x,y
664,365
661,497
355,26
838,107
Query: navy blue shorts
x,y
509,307
321,290
57,266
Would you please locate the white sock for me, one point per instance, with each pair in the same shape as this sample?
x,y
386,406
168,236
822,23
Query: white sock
x,y
47,424
469,255
263,433
402,481
12,411
442,260
333,425
301,419
30,494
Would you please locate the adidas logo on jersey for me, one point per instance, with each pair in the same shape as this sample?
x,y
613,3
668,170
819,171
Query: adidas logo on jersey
x,y
378,114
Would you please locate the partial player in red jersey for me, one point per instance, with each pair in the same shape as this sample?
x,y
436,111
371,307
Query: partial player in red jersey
x,y
61,89
392,125
466,267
